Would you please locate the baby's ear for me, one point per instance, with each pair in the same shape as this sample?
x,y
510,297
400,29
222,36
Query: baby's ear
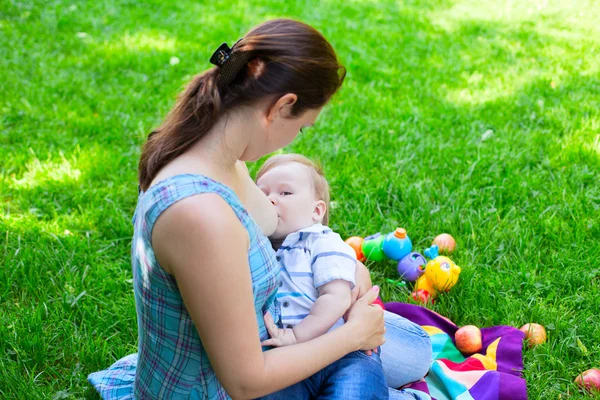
x,y
319,210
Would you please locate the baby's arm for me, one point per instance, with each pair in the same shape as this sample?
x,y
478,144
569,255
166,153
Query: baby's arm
x,y
363,282
334,267
334,299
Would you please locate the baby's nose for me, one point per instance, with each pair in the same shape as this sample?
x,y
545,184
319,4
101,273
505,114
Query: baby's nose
x,y
272,199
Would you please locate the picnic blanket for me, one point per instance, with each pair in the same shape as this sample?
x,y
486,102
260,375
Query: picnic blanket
x,y
493,373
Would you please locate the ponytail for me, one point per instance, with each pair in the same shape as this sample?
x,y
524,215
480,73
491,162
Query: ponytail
x,y
195,113
280,56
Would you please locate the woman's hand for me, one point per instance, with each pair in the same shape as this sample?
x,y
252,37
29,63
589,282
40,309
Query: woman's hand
x,y
367,320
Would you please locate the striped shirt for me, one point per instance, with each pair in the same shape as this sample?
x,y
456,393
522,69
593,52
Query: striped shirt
x,y
308,259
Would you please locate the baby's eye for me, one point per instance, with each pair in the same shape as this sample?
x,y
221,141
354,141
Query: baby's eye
x,y
286,193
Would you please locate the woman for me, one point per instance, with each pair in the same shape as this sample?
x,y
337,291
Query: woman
x,y
204,272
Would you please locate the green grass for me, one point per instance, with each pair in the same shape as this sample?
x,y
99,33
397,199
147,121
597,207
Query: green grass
x,y
475,118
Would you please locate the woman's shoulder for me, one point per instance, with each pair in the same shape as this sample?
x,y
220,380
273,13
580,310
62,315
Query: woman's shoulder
x,y
195,218
176,188
194,224
181,193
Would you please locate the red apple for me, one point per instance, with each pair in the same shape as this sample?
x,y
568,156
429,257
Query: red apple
x,y
590,379
468,339
534,333
445,243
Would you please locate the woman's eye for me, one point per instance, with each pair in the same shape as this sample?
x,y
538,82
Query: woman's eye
x,y
302,130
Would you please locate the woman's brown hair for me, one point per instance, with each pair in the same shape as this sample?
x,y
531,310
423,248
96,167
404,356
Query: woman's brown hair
x,y
284,56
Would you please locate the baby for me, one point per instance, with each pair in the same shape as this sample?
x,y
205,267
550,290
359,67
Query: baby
x,y
317,267
317,276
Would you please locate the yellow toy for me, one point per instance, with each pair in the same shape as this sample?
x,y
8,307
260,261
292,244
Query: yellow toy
x,y
441,274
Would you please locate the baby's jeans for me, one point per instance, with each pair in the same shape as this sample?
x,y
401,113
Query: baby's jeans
x,y
406,357
355,376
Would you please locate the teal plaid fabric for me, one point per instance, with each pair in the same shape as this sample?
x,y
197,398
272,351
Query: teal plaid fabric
x,y
171,362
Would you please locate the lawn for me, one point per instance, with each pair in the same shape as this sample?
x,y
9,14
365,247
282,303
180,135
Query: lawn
x,y
480,119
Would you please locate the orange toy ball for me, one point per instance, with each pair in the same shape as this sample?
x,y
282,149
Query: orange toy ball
x,y
534,333
468,339
445,243
590,379
356,243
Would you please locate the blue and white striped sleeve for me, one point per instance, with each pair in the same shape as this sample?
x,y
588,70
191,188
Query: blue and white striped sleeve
x,y
332,259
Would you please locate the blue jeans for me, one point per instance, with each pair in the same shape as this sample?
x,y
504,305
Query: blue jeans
x,y
406,357
355,376
406,354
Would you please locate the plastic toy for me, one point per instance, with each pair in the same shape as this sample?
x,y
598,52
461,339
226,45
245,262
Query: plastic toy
x,y
356,243
432,252
438,275
372,247
376,247
397,244
400,284
379,302
441,274
411,267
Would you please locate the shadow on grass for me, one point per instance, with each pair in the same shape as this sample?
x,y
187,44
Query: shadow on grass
x,y
485,129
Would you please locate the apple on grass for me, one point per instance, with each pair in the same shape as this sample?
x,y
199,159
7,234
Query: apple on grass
x,y
590,379
534,333
445,242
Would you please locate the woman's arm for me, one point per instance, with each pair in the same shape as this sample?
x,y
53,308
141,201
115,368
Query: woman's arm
x,y
201,241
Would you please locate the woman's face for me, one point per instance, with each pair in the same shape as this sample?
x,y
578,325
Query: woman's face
x,y
279,128
284,130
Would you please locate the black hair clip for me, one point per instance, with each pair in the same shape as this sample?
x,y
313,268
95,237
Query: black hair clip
x,y
221,55
229,62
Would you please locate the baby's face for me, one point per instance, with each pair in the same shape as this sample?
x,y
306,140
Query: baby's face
x,y
290,189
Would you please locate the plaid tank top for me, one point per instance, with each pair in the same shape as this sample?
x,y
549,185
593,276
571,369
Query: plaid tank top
x,y
172,362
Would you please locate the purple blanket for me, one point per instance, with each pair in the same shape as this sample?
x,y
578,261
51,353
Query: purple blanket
x,y
493,373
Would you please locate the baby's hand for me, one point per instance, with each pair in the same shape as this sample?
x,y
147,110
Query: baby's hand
x,y
279,337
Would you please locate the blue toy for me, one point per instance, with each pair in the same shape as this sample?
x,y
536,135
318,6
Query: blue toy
x,y
432,252
397,244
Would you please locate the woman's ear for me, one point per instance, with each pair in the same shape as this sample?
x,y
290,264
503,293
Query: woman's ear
x,y
319,210
282,107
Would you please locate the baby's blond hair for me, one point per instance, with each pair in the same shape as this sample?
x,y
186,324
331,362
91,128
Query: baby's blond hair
x,y
320,184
